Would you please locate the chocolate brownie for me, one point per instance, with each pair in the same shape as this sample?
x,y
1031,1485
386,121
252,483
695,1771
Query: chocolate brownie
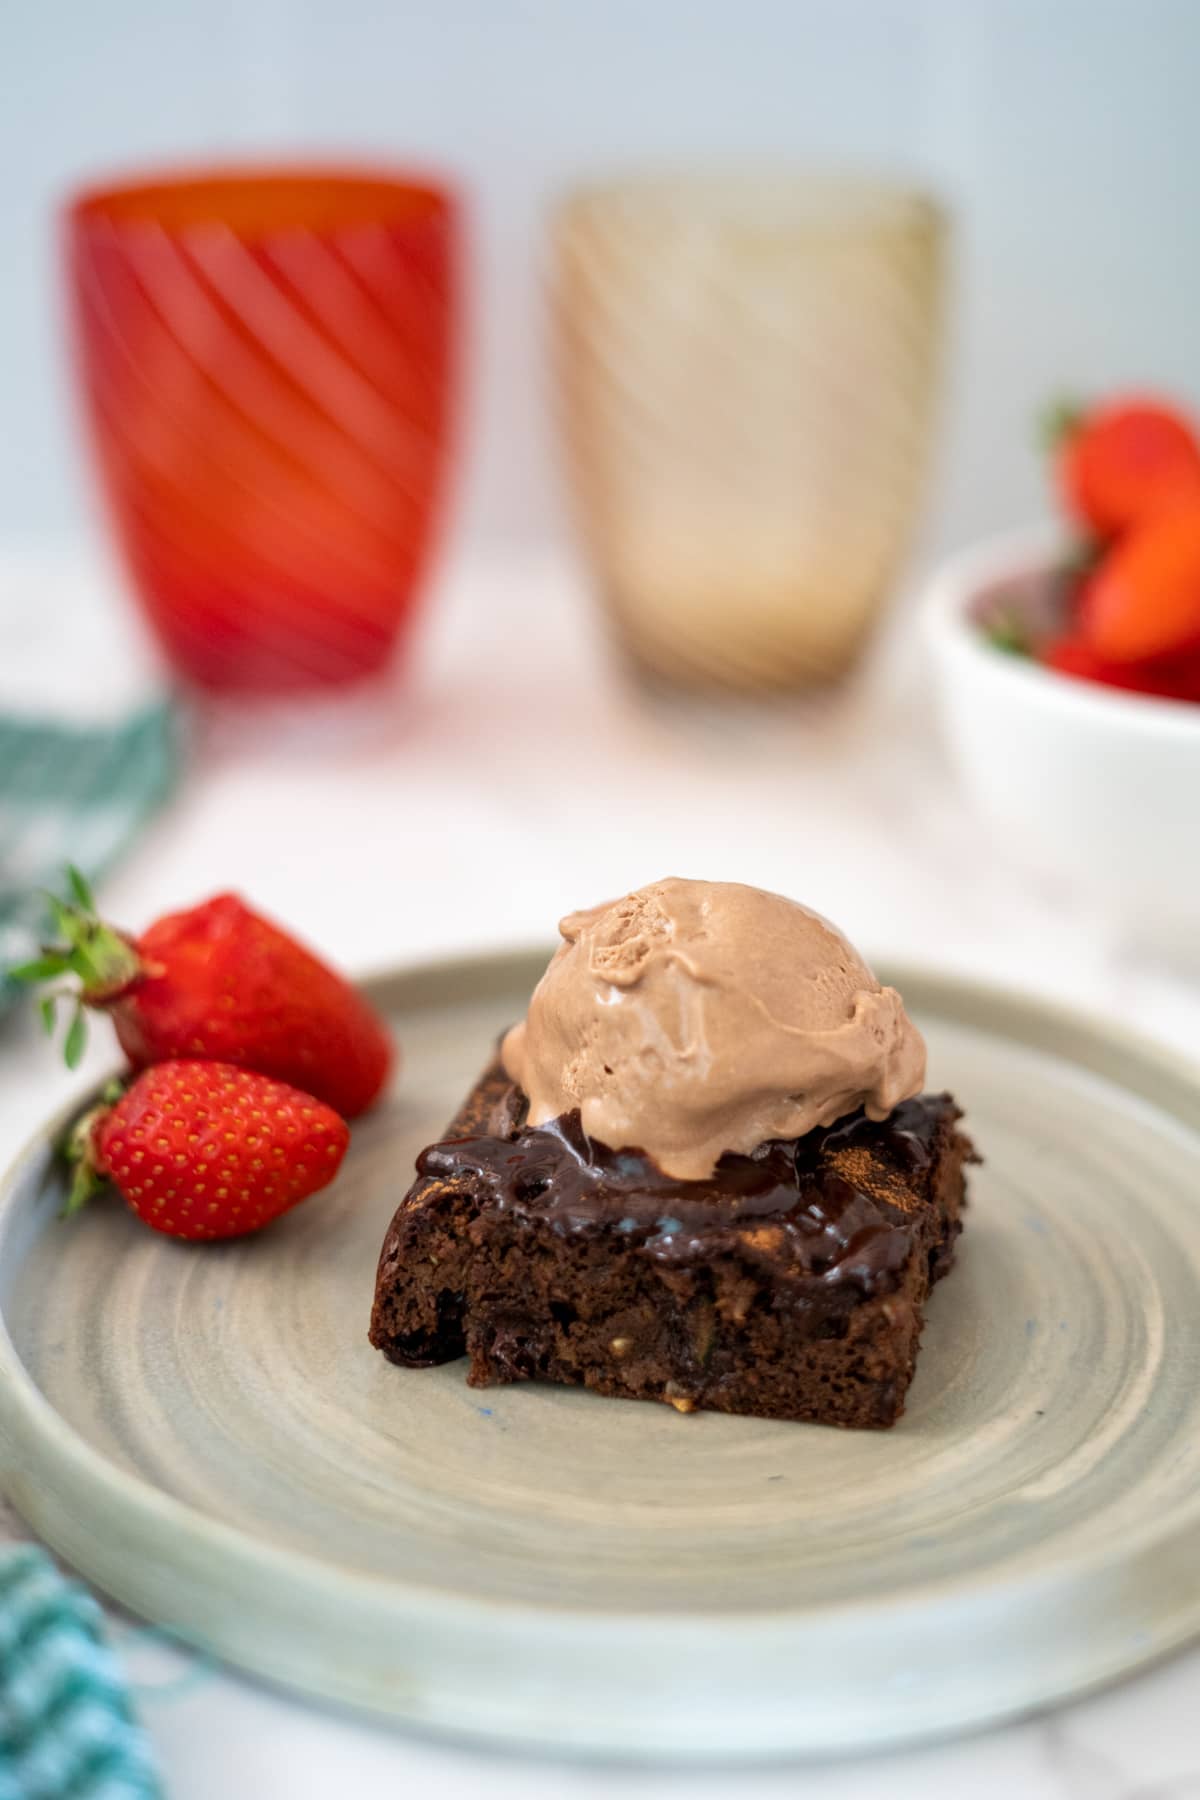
x,y
790,1284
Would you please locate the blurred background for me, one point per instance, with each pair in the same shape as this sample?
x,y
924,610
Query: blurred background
x,y
726,393
1062,135
733,392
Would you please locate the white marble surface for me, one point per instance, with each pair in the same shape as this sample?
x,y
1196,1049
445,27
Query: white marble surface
x,y
515,777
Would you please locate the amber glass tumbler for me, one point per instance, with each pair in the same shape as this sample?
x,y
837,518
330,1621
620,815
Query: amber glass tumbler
x,y
746,374
267,358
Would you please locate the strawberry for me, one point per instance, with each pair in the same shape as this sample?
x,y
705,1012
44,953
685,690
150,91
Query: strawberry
x,y
203,1150
222,983
1143,601
1175,678
1069,655
1124,462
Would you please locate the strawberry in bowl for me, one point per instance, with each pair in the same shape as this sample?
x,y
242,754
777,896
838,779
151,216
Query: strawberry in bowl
x,y
1067,756
1126,611
1067,664
1122,462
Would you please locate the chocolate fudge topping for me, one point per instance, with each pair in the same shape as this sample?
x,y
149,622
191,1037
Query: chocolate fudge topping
x,y
838,1195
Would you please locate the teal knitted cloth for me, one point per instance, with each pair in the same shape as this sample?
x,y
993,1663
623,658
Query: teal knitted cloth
x,y
72,794
67,1730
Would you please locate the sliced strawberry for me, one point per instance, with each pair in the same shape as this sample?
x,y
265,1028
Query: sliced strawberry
x,y
1143,601
1070,655
1177,678
1124,462
1169,679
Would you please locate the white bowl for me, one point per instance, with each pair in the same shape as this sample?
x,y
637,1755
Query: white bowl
x,y
1101,785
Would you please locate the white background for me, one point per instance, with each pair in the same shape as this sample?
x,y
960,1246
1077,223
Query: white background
x,y
1065,133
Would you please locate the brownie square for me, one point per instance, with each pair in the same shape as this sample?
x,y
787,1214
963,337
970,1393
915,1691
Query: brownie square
x,y
789,1285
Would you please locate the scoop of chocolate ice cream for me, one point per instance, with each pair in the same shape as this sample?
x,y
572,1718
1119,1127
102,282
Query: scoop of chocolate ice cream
x,y
696,1017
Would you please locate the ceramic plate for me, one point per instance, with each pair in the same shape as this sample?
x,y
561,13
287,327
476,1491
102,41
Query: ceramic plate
x,y
207,1435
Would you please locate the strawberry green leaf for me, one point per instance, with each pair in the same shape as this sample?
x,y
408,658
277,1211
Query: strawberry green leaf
x,y
64,917
80,890
48,1008
76,1039
42,968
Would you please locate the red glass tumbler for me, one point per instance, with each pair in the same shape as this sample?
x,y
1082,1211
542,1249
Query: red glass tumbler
x,y
267,359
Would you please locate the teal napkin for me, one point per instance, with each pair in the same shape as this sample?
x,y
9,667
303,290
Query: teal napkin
x,y
72,794
67,1728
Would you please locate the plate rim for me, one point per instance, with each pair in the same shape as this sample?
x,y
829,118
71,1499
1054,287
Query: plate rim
x,y
35,1435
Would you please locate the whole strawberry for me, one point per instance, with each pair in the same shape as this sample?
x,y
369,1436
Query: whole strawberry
x,y
203,1150
221,982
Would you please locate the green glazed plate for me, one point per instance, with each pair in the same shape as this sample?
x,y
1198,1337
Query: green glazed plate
x,y
206,1434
